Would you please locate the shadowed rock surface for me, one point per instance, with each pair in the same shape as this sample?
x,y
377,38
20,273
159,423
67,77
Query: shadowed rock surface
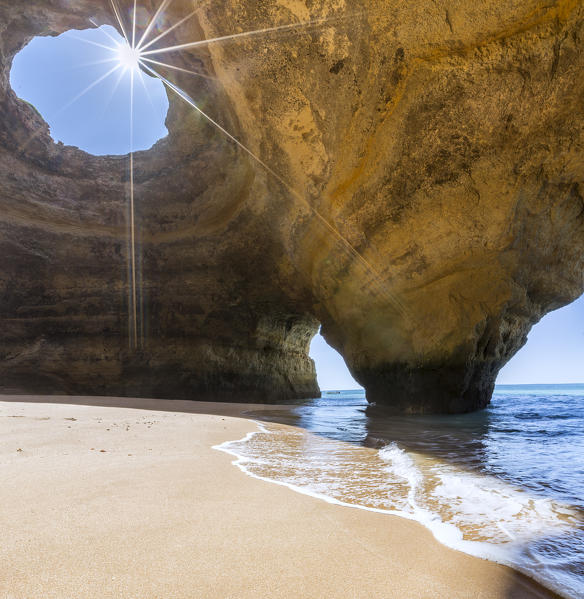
x,y
440,140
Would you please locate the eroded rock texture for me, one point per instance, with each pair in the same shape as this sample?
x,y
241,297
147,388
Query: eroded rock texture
x,y
423,201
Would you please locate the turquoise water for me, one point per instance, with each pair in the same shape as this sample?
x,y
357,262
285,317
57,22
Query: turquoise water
x,y
506,483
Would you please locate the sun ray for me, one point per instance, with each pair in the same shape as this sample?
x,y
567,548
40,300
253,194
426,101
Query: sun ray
x,y
113,91
170,66
392,298
94,63
165,33
102,30
235,36
163,6
23,146
134,54
91,42
134,330
87,89
146,90
119,19
134,25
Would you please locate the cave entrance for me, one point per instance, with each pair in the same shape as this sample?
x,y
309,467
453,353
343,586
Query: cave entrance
x,y
331,371
554,352
81,84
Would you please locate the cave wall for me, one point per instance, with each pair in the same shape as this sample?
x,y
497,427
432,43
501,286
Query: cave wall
x,y
423,201
207,330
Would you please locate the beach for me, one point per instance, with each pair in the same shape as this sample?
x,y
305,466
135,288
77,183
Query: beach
x,y
127,498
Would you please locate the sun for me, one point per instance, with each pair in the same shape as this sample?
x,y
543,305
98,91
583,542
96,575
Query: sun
x,y
137,56
128,57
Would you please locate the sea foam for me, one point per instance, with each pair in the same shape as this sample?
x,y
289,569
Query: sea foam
x,y
478,514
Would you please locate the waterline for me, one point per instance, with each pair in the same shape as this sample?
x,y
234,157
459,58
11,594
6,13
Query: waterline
x,y
478,514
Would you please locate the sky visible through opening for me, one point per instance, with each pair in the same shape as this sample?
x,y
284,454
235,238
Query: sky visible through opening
x,y
51,73
553,354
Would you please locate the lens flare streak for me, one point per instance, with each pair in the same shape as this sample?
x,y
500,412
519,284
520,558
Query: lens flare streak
x,y
134,55
134,329
113,90
87,89
90,42
163,6
172,67
235,36
391,298
119,19
170,30
92,21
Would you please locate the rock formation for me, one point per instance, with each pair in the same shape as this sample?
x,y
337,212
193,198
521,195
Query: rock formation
x,y
423,200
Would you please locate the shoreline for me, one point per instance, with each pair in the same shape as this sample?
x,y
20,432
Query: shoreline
x,y
117,497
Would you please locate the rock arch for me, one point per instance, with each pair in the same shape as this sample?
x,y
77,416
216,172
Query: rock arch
x,y
440,141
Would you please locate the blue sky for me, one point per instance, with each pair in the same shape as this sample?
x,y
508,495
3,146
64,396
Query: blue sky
x,y
554,352
50,72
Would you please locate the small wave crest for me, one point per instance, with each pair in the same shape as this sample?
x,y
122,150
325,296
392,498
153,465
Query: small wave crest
x,y
475,513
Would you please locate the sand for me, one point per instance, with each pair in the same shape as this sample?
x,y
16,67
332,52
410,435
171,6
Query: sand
x,y
121,498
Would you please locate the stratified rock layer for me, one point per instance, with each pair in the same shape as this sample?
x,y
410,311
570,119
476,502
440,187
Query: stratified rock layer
x,y
415,185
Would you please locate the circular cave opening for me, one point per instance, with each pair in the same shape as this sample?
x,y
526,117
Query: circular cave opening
x,y
90,91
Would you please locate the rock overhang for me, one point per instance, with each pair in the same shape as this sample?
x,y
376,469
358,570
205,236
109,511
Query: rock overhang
x,y
445,153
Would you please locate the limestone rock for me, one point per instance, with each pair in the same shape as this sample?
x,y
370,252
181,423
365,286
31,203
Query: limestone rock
x,y
415,185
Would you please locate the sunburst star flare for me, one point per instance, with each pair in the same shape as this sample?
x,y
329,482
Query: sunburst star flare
x,y
137,54
128,57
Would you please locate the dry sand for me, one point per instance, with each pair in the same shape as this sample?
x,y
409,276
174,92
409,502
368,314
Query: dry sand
x,y
121,498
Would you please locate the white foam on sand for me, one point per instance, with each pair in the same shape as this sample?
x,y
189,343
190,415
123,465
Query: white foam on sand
x,y
471,512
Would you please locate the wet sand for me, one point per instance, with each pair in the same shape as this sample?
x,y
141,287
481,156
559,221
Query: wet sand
x,y
123,498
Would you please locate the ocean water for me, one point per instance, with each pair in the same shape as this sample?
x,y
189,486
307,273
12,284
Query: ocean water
x,y
505,484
